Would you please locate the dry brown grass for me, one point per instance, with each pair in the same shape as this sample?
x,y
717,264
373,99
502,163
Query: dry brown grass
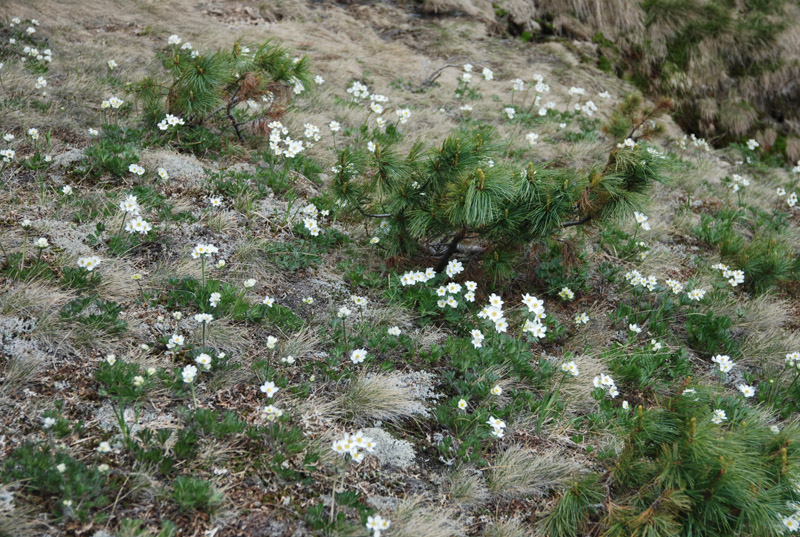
x,y
379,396
466,487
417,516
506,527
520,472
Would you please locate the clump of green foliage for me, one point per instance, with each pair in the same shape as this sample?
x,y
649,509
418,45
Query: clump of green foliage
x,y
434,199
207,89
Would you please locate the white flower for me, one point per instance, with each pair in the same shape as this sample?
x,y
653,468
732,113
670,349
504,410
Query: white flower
x,y
487,74
403,114
33,133
518,84
718,416
48,423
204,250
510,112
104,447
371,147
358,355
462,404
454,267
747,391
343,312
269,389
268,301
308,300
724,362
203,318
566,293
176,340
174,40
41,243
136,169
531,137
696,294
271,413
89,263
66,190
393,331
249,283
571,368
189,373
138,225
334,126
111,359
635,328
752,144
582,318
112,64
497,390
271,342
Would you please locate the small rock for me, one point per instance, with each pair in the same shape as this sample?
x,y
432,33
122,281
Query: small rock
x,y
391,451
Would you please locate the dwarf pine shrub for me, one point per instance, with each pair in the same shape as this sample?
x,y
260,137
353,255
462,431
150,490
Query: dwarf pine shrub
x,y
244,88
685,470
435,199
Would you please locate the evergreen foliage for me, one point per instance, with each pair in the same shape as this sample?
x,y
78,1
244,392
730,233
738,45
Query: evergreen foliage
x,y
205,88
681,474
464,189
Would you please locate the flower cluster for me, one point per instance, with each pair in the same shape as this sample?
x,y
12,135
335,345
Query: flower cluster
x,y
699,143
642,220
170,121
571,368
377,524
724,362
635,278
112,102
498,426
415,277
281,143
271,413
138,225
204,250
738,182
351,444
735,277
89,263
675,286
311,213
607,383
